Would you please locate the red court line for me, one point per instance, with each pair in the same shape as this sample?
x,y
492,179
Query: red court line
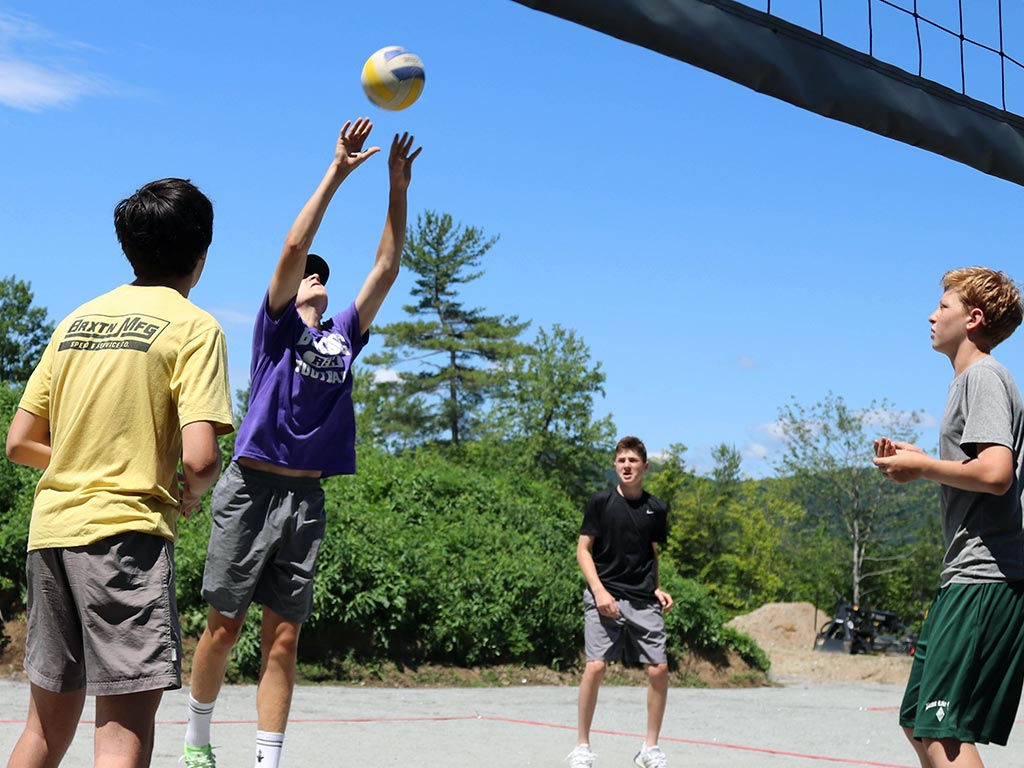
x,y
719,744
538,724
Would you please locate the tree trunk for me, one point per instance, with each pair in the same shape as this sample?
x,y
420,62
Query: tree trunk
x,y
453,395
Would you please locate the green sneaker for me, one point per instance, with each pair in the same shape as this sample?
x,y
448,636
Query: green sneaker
x,y
199,757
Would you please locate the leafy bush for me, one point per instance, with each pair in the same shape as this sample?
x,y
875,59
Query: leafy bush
x,y
17,489
429,559
697,622
426,559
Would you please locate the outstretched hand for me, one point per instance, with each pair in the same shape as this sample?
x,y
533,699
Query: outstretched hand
x,y
349,153
400,161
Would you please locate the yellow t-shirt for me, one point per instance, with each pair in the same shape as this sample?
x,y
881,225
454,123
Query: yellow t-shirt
x,y
120,377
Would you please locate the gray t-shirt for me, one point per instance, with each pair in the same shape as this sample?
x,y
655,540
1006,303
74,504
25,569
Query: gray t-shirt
x,y
984,534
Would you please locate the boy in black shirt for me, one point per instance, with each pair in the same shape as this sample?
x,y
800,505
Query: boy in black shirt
x,y
618,554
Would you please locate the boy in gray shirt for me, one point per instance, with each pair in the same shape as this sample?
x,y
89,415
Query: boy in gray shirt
x,y
965,683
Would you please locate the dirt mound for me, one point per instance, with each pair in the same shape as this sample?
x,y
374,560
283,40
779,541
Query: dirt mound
x,y
788,625
12,653
786,632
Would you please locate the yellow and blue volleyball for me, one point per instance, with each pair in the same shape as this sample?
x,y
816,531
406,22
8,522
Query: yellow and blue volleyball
x,y
393,77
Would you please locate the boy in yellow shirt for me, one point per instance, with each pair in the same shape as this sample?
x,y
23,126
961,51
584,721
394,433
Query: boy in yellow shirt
x,y
130,383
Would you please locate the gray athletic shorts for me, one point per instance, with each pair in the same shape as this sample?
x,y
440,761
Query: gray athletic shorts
x,y
637,635
266,534
103,617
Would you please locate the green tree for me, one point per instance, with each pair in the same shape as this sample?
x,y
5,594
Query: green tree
x,y
544,412
384,418
460,354
17,488
24,330
727,533
827,457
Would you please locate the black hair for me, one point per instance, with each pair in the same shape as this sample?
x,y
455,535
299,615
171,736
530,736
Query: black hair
x,y
164,228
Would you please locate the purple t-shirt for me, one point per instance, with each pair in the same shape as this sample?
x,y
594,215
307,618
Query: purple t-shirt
x,y
300,398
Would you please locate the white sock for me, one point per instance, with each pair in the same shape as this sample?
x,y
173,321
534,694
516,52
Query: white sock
x,y
197,734
268,749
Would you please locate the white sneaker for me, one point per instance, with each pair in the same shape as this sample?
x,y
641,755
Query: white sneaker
x,y
650,757
581,757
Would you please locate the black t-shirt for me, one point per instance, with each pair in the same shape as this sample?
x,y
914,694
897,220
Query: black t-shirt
x,y
623,531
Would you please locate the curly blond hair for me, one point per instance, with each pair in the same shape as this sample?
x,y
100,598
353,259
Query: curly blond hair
x,y
994,293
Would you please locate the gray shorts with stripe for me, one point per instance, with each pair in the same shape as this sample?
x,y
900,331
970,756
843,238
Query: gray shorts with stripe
x,y
638,635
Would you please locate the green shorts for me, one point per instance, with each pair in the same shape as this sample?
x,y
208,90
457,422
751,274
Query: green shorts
x,y
965,682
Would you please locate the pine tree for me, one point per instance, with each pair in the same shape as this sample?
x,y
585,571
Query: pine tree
x,y
460,354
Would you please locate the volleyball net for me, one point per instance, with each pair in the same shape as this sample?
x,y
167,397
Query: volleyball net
x,y
943,75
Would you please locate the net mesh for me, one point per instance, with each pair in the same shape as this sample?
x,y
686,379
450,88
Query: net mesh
x,y
972,47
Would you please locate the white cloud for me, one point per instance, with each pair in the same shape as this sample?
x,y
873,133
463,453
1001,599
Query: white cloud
x,y
384,375
35,73
745,362
771,429
755,451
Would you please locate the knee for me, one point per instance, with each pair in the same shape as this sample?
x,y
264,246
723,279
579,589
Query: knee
x,y
595,670
222,631
657,674
282,643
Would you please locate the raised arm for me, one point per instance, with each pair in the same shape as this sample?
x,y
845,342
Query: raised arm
x,y
392,240
348,155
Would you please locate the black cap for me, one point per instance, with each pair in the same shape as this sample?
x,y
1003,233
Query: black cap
x,y
316,264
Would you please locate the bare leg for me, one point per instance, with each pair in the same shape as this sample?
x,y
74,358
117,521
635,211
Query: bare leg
x,y
49,729
657,697
593,674
124,729
280,644
950,753
211,657
919,748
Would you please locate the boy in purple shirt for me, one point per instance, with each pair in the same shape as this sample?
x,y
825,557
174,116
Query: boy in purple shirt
x,y
268,510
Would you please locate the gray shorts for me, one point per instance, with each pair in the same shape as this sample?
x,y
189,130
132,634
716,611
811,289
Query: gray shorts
x,y
638,635
103,617
266,534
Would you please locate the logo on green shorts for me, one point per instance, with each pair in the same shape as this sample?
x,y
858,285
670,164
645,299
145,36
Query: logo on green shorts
x,y
940,705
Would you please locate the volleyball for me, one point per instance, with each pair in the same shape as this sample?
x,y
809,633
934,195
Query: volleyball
x,y
393,77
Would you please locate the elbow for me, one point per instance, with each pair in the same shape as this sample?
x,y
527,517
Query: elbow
x,y
202,470
387,272
297,246
19,452
1001,487
998,483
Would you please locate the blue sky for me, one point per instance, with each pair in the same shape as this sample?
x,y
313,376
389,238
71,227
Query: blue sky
x,y
719,251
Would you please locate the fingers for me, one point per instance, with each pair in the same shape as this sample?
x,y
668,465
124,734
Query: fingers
x,y
401,145
361,127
